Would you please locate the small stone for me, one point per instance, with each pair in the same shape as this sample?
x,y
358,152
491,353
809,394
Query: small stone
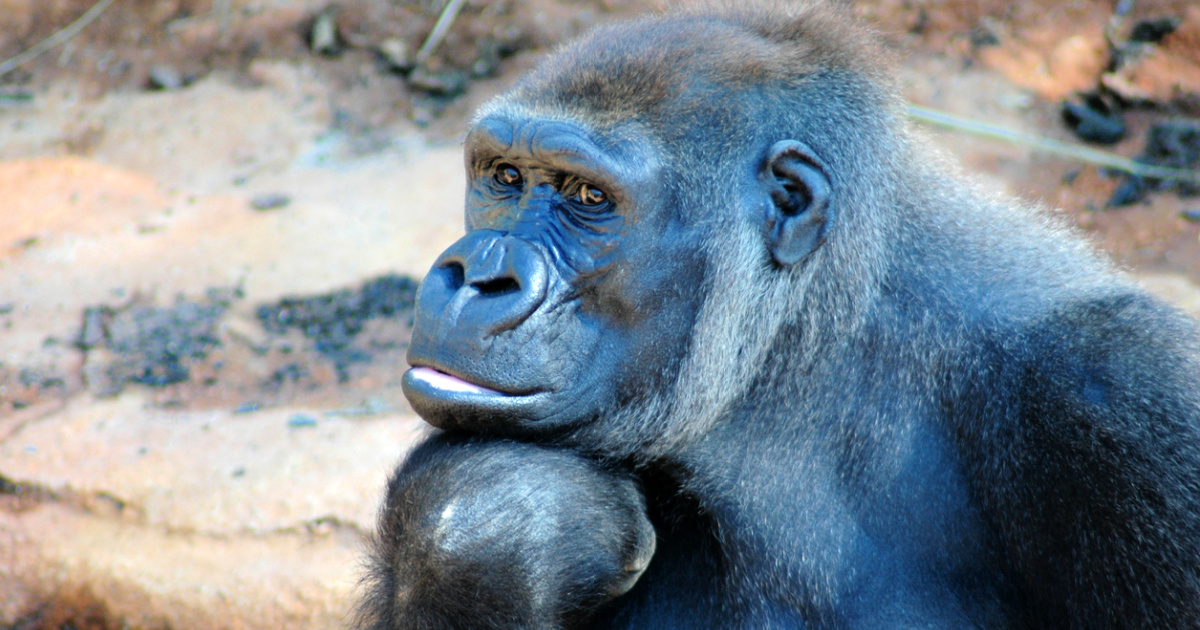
x,y
396,54
245,408
1152,31
300,420
488,61
1175,144
270,201
324,37
1093,121
447,83
983,36
1130,191
165,78
422,114
1192,215
93,333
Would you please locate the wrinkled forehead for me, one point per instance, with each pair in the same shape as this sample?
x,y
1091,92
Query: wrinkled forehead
x,y
626,150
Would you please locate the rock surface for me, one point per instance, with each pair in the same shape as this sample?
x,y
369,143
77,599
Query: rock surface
x,y
192,519
194,507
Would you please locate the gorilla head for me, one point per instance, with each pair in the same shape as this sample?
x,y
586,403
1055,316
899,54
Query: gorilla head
x,y
637,238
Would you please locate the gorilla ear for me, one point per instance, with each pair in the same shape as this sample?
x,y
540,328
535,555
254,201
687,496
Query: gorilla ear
x,y
801,204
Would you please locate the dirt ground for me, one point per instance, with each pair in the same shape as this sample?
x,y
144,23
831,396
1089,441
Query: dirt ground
x,y
216,212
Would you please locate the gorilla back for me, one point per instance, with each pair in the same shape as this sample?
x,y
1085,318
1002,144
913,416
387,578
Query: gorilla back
x,y
706,247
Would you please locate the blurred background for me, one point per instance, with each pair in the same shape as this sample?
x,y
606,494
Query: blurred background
x,y
213,215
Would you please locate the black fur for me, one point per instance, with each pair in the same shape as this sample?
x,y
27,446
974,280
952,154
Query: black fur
x,y
494,534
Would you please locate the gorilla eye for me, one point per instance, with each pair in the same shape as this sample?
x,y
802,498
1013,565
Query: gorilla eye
x,y
589,195
508,175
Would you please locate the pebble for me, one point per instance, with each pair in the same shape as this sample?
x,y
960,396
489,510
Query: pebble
x,y
1093,122
1192,215
93,333
488,61
323,38
270,201
447,83
397,55
165,78
300,420
1130,191
1153,30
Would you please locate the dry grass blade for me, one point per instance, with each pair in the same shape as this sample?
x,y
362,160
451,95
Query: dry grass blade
x,y
440,28
1082,153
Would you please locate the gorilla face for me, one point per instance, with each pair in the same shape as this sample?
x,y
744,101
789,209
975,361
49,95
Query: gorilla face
x,y
573,292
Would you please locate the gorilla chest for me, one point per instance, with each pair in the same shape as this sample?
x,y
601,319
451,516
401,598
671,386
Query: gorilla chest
x,y
867,533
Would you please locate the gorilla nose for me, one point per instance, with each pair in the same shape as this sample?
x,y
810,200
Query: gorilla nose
x,y
493,282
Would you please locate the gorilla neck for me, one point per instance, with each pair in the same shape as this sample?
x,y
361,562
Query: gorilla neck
x,y
863,408
862,460
797,315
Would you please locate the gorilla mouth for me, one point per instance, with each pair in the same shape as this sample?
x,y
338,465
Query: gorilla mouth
x,y
451,402
440,380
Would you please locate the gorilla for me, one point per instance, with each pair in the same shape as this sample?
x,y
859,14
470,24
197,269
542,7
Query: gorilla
x,y
706,256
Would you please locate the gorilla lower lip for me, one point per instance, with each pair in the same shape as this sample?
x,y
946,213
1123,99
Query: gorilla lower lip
x,y
443,381
449,402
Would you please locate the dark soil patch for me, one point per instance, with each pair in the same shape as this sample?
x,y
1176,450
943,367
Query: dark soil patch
x,y
71,609
1173,144
334,321
339,347
150,345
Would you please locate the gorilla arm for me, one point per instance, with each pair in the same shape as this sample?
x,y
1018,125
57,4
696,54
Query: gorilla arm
x,y
1089,475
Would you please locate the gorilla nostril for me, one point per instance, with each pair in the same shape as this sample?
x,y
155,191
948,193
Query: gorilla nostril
x,y
496,287
454,275
486,282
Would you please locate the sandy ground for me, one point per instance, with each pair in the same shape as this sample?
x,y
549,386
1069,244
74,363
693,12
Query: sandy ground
x,y
199,403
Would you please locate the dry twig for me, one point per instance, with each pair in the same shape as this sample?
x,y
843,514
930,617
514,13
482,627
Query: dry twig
x,y
60,37
1082,153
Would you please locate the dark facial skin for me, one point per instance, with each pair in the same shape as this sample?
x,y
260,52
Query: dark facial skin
x,y
534,322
